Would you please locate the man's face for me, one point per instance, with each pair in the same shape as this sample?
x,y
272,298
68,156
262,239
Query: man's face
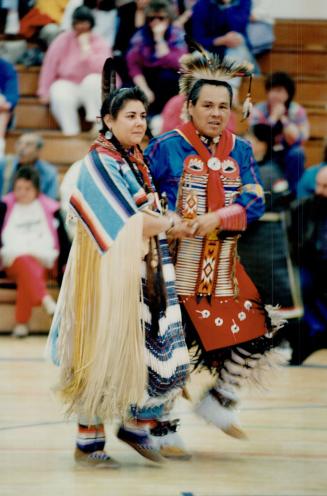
x,y
211,113
321,183
27,148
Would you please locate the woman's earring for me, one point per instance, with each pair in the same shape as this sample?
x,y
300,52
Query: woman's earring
x,y
108,134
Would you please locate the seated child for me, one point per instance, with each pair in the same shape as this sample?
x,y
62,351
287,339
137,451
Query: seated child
x,y
29,244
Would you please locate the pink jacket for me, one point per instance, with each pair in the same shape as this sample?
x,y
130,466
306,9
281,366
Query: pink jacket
x,y
49,205
64,60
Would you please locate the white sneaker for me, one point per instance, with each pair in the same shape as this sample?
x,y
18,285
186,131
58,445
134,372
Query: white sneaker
x,y
49,304
20,331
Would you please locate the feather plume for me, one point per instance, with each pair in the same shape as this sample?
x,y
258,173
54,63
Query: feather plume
x,y
108,78
194,46
201,64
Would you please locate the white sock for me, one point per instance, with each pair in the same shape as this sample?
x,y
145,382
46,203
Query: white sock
x,y
49,304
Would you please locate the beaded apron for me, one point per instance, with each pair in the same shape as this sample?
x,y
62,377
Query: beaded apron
x,y
218,295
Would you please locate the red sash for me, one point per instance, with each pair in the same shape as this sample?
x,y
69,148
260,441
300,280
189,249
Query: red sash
x,y
215,190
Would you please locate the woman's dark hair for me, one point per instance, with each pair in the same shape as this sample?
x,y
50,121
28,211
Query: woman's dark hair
x,y
117,100
195,91
284,80
157,6
83,14
28,173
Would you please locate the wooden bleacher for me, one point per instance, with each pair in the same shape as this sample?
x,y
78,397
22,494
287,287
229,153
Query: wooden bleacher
x,y
300,49
40,320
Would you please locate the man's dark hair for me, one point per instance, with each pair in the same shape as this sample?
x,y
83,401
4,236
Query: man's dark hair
x,y
29,174
284,80
195,91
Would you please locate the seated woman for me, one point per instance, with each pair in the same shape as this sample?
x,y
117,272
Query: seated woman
x,y
70,77
131,17
153,59
30,232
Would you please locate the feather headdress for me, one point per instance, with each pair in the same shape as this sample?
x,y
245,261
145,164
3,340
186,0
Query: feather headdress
x,y
201,64
108,78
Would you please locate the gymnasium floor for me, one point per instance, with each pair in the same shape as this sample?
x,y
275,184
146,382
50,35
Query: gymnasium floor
x,y
285,454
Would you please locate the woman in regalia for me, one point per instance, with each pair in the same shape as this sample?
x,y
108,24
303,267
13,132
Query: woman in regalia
x,y
117,334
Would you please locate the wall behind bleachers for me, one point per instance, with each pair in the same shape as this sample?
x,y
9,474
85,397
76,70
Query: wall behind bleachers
x,y
299,9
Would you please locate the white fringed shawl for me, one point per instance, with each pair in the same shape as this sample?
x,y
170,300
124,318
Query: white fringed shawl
x,y
101,339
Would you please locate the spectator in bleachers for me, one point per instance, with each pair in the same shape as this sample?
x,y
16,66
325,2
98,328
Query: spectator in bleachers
x,y
131,17
184,14
8,98
42,14
70,77
105,15
10,12
153,58
28,150
309,233
221,27
307,184
9,17
260,29
31,231
288,122
270,267
40,26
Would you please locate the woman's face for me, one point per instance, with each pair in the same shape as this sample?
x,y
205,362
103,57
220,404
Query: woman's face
x,y
24,191
81,27
130,124
277,94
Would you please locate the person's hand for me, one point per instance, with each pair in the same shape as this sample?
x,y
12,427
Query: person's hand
x,y
233,39
181,228
204,224
4,104
277,111
84,43
183,18
149,94
44,100
159,29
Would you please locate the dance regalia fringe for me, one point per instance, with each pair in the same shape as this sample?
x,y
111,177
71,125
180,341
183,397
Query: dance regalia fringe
x,y
101,333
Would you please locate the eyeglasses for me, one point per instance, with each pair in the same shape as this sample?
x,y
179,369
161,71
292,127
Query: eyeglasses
x,y
159,17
